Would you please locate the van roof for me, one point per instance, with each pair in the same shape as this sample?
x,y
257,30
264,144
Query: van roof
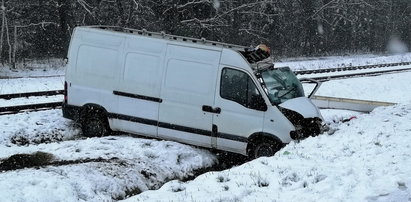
x,y
250,54
163,35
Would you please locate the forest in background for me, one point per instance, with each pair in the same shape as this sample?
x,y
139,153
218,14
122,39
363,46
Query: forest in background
x,y
42,28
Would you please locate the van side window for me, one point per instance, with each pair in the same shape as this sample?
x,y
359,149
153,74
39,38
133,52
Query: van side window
x,y
237,86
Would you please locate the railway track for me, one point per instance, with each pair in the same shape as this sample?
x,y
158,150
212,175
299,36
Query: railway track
x,y
345,76
31,77
350,68
30,107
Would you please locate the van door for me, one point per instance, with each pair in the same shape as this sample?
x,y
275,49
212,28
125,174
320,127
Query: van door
x,y
240,114
187,94
138,90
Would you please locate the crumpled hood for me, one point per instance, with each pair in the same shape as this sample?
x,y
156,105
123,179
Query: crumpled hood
x,y
303,106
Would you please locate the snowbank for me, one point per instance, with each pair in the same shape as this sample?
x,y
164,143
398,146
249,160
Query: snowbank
x,y
123,166
93,169
367,159
35,128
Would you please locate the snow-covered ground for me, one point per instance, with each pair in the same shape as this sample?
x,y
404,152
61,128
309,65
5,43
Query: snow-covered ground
x,y
365,159
93,169
100,169
35,128
23,85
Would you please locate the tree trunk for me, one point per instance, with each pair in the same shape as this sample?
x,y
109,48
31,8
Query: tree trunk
x,y
3,8
311,27
66,24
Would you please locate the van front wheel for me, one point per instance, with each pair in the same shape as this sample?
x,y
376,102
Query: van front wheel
x,y
94,124
264,147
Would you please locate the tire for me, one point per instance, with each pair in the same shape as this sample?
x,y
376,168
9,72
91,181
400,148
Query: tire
x,y
94,123
264,147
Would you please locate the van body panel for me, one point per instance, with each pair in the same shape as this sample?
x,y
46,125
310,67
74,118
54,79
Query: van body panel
x,y
300,105
232,58
138,88
92,57
275,123
188,85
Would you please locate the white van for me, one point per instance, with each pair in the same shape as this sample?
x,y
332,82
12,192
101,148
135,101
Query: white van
x,y
194,91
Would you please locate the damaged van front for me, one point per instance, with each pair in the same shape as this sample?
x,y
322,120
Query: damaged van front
x,y
286,92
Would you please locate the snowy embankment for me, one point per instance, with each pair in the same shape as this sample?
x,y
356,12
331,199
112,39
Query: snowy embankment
x,y
367,159
94,169
35,128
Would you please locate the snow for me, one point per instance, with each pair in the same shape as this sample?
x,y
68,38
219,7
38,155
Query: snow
x,y
23,85
367,159
130,163
34,128
119,165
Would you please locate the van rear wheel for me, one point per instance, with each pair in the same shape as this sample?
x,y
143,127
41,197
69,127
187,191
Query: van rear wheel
x,y
95,124
264,147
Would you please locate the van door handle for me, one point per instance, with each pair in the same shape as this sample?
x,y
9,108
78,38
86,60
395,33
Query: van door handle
x,y
210,109
207,108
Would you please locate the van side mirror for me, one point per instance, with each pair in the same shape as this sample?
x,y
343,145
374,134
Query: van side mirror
x,y
257,102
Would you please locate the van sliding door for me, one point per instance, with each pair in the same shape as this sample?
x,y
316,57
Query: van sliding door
x,y
187,94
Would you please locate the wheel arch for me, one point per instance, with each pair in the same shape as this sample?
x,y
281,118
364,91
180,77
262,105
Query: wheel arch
x,y
258,136
86,108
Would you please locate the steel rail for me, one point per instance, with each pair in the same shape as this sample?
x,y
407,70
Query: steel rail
x,y
30,107
30,94
344,76
340,69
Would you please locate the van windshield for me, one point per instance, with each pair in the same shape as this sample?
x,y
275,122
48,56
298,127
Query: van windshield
x,y
281,84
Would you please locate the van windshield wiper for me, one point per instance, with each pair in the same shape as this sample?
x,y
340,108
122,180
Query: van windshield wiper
x,y
287,92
